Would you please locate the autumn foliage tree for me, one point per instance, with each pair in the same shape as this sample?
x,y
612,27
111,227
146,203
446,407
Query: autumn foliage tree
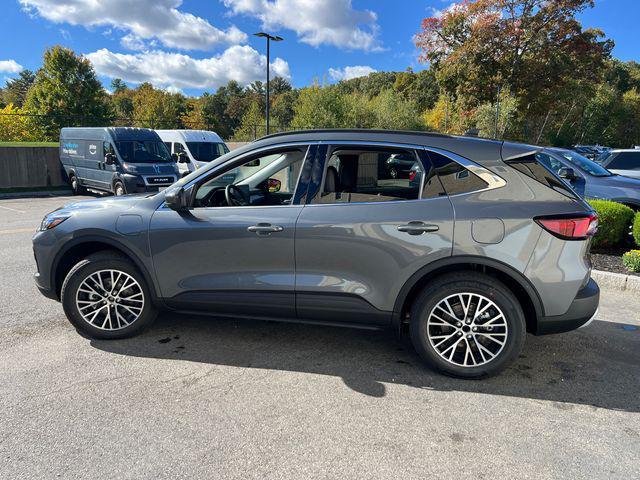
x,y
535,49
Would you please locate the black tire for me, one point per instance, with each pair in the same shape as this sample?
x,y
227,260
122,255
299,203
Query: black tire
x,y
75,185
474,283
118,188
94,263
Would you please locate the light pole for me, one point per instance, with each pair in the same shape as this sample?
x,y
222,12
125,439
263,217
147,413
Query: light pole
x,y
269,38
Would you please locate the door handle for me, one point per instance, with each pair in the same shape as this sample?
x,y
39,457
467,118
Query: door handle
x,y
418,228
265,229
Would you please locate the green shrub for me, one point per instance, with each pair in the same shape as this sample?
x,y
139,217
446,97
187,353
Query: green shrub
x,y
631,260
636,229
614,220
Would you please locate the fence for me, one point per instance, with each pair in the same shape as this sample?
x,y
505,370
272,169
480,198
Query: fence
x,y
30,167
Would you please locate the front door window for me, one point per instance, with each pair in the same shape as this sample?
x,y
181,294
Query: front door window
x,y
266,180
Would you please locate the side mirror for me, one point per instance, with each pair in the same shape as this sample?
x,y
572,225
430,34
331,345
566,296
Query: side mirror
x,y
176,199
110,159
274,185
567,173
253,163
183,158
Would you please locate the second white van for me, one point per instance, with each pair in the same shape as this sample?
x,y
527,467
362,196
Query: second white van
x,y
192,149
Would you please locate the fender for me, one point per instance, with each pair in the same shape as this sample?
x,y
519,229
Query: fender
x,y
465,260
113,243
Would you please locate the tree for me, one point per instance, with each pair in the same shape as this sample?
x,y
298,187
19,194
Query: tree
x,y
17,126
319,107
66,92
156,108
252,126
118,85
279,85
16,89
530,47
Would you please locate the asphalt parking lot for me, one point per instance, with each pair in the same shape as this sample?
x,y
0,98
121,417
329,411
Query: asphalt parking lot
x,y
210,398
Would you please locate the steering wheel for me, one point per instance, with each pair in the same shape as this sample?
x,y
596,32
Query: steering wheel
x,y
234,196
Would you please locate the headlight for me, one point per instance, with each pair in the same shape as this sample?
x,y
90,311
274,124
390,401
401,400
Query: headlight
x,y
51,221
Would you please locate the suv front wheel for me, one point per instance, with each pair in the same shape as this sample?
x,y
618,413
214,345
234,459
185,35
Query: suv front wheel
x,y
105,296
467,325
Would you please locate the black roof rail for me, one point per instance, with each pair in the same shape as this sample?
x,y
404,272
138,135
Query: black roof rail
x,y
356,130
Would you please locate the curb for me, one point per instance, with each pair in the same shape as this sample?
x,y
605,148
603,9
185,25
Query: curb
x,y
37,193
616,281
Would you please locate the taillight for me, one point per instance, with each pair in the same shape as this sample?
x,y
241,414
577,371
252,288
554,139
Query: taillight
x,y
569,227
412,175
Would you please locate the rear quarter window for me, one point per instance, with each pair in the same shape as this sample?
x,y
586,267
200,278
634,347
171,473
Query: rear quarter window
x,y
455,178
532,167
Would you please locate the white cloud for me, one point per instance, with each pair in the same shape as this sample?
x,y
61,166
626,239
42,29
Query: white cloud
x,y
132,41
10,66
144,19
317,22
347,73
178,71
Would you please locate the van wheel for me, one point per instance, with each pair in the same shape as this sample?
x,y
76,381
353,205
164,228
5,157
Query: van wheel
x,y
75,185
105,296
467,325
118,188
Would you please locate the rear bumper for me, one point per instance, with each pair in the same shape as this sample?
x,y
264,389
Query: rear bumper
x,y
582,311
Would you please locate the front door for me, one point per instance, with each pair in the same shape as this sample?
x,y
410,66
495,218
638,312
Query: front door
x,y
233,251
365,232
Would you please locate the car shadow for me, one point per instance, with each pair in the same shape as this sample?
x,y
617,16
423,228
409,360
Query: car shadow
x,y
597,366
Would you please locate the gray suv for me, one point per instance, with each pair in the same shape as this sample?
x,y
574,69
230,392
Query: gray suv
x,y
483,245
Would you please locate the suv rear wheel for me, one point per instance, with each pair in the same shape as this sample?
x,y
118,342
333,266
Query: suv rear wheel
x,y
467,325
105,296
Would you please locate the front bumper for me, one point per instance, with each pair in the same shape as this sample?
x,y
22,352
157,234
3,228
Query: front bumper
x,y
581,311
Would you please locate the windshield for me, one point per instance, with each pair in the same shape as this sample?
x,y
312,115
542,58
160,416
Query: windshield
x,y
135,151
589,166
206,151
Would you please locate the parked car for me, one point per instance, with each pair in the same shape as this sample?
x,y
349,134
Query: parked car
x,y
116,159
590,151
622,162
399,165
299,227
590,179
192,149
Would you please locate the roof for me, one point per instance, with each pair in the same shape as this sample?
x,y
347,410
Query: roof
x,y
191,135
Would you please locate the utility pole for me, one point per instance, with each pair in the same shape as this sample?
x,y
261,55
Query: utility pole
x,y
269,38
497,112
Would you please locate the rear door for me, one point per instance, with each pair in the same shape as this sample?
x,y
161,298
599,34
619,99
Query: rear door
x,y
363,233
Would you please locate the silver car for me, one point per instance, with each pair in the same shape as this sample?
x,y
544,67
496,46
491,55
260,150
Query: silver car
x,y
622,162
483,245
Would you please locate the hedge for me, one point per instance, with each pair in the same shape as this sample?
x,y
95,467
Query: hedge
x,y
614,220
636,229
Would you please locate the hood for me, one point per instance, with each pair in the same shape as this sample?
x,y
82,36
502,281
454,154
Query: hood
x,y
122,203
620,181
168,168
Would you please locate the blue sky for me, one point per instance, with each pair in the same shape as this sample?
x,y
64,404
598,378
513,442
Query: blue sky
x,y
197,45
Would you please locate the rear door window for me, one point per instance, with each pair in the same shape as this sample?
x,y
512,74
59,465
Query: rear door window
x,y
358,174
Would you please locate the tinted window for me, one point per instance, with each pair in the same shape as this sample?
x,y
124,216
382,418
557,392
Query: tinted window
x,y
533,168
589,166
360,174
206,151
550,162
455,178
626,161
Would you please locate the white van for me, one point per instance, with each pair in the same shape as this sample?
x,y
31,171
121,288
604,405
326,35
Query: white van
x,y
192,149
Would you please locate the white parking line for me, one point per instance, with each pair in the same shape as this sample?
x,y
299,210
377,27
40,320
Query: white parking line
x,y
12,209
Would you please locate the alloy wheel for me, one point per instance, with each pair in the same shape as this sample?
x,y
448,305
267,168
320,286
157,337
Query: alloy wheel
x,y
467,329
110,299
